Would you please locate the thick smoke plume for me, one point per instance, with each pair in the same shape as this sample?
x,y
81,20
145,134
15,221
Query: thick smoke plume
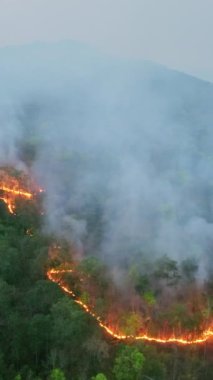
x,y
123,149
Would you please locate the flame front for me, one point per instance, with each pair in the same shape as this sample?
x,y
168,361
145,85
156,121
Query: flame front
x,y
54,275
11,189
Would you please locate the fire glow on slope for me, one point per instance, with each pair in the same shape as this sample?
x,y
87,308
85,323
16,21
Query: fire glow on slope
x,y
55,275
11,189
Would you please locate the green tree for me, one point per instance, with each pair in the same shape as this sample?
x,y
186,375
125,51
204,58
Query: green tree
x,y
128,364
131,323
154,369
99,376
149,297
18,377
167,269
57,374
70,330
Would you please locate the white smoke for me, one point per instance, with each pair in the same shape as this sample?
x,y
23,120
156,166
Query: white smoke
x,y
123,149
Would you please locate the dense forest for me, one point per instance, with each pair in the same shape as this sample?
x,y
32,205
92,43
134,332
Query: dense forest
x,y
45,335
106,270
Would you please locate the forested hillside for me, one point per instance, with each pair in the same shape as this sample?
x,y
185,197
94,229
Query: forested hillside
x,y
106,218
45,335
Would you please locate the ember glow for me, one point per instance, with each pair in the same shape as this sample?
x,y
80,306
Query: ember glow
x,y
55,275
11,188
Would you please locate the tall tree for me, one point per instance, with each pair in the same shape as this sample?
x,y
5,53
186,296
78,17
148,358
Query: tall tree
x,y
128,364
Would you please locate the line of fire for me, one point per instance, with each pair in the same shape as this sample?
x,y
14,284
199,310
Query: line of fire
x,y
13,188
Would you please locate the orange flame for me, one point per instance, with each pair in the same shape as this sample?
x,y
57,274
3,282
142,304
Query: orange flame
x,y
205,336
11,189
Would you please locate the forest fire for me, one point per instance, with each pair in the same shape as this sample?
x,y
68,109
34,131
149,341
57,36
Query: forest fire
x,y
55,275
11,188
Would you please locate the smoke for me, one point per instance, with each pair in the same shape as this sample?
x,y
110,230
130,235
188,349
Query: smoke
x,y
123,149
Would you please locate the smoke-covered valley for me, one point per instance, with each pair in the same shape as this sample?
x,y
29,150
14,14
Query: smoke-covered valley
x,y
124,150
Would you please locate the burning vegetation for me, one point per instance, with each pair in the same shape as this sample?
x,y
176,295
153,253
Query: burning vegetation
x,y
15,185
162,303
128,325
154,314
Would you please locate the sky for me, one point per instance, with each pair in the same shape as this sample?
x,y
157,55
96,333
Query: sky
x,y
176,33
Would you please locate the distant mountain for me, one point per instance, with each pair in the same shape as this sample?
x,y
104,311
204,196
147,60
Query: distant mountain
x,y
33,67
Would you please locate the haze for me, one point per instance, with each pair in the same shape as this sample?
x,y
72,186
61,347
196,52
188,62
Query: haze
x,y
176,33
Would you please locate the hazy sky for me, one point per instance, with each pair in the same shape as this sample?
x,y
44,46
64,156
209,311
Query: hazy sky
x,y
177,33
